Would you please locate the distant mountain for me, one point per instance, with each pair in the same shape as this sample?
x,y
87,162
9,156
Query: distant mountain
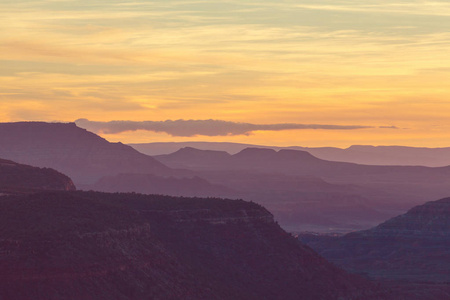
x,y
18,178
412,247
82,155
260,159
130,246
301,189
302,163
94,163
195,159
386,155
159,148
361,154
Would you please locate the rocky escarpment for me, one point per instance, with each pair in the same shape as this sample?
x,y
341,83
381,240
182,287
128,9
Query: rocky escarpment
x,y
86,245
82,155
18,178
414,247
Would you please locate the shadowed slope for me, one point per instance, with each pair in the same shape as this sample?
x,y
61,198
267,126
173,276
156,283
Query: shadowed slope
x,y
87,245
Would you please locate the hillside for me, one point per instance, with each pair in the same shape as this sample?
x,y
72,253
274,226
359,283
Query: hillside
x,y
18,178
82,155
86,245
412,247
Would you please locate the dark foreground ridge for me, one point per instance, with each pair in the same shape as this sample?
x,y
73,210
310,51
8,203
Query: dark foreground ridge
x,y
17,178
90,245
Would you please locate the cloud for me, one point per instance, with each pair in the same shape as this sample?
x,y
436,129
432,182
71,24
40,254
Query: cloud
x,y
388,127
188,128
431,8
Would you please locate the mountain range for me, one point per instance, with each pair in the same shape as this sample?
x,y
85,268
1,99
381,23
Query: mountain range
x,y
360,154
57,243
309,190
301,190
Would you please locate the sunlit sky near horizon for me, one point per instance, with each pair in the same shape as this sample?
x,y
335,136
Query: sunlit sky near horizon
x,y
370,64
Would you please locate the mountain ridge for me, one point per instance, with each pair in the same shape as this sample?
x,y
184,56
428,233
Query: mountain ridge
x,y
278,179
361,154
82,155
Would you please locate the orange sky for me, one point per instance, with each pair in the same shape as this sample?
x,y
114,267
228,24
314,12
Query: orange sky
x,y
379,63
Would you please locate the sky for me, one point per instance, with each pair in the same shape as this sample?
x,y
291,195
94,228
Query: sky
x,y
285,72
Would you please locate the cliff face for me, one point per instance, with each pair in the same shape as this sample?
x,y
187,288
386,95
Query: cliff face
x,y
18,178
413,247
82,155
85,245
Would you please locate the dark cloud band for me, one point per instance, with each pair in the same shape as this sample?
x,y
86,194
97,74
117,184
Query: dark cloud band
x,y
189,128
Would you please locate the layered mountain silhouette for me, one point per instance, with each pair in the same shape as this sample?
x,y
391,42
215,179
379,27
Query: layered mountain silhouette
x,y
82,155
296,162
86,245
413,247
300,189
361,154
65,244
301,163
309,190
17,178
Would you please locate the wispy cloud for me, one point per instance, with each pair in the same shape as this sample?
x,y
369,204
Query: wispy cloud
x,y
432,8
187,128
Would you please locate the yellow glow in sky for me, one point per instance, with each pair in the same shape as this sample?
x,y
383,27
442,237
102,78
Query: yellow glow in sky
x,y
376,63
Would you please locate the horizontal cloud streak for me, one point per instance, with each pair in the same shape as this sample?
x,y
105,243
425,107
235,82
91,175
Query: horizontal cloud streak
x,y
188,128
